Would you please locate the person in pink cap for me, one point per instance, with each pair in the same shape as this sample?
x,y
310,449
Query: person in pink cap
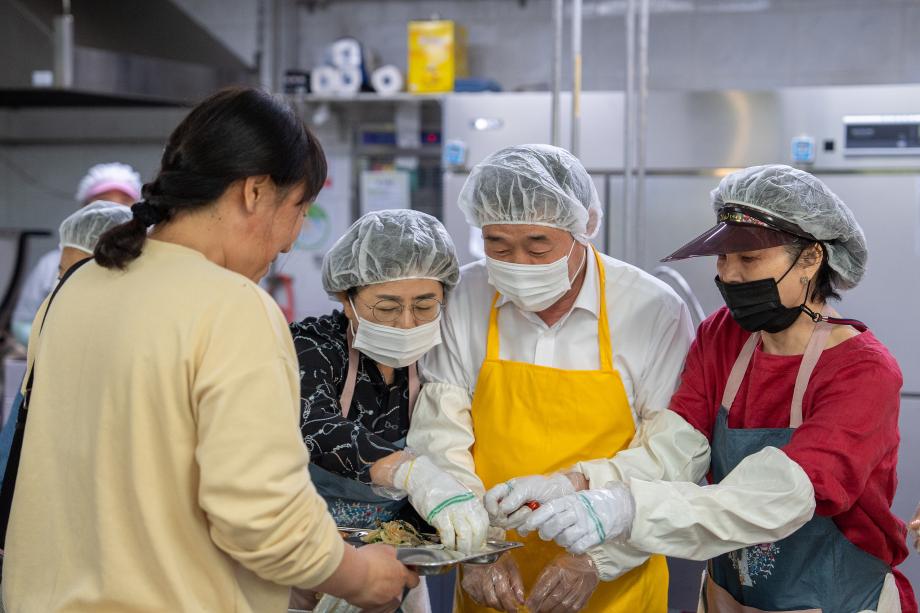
x,y
112,182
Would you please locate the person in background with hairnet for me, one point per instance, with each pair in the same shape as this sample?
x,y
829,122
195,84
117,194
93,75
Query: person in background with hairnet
x,y
800,410
554,355
392,271
113,182
81,231
79,234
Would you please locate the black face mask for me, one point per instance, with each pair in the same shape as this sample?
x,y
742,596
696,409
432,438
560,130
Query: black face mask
x,y
756,305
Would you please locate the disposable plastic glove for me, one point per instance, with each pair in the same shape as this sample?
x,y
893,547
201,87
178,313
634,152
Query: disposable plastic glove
x,y
915,529
497,585
564,586
584,520
506,502
456,513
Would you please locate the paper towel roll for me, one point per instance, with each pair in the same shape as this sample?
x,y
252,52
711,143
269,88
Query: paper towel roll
x,y
346,53
325,81
387,80
350,81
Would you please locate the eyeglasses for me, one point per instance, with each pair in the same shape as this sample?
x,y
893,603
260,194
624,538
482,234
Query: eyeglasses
x,y
389,311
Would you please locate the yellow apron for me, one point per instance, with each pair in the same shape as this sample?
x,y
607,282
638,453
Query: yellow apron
x,y
530,419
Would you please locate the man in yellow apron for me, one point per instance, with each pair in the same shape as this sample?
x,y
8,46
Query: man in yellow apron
x,y
554,358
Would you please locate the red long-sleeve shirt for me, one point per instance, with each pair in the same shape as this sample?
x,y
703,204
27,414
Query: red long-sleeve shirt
x,y
848,443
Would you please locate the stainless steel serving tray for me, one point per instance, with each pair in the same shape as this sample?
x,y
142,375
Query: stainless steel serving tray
x,y
435,559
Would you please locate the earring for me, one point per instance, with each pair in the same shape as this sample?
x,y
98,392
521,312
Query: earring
x,y
804,280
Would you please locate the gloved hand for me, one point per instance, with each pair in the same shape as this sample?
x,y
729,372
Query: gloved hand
x,y
564,586
456,513
497,585
506,502
584,520
914,526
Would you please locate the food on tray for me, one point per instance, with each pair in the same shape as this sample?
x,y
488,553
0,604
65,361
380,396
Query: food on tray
x,y
398,533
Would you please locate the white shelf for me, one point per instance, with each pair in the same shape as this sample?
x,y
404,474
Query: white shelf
x,y
365,97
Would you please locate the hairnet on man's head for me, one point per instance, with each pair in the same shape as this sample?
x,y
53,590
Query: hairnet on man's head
x,y
800,198
82,229
535,185
390,246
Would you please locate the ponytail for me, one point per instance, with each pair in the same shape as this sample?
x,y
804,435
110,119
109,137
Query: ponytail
x,y
122,244
234,134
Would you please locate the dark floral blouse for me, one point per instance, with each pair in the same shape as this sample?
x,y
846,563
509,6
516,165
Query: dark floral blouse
x,y
379,415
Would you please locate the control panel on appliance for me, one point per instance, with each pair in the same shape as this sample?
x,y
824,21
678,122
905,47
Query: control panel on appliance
x,y
881,135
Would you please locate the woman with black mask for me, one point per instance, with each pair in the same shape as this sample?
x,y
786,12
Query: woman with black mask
x,y
800,411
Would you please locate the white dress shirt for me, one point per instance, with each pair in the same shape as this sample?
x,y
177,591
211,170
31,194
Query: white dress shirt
x,y
650,332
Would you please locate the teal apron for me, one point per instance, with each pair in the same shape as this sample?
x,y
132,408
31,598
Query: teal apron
x,y
351,503
815,569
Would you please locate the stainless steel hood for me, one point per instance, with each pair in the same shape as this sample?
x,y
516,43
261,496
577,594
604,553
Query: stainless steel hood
x,y
124,53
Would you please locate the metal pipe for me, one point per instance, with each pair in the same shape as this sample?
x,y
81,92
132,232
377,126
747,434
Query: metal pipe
x,y
277,21
261,59
268,44
62,42
557,70
629,237
641,133
576,76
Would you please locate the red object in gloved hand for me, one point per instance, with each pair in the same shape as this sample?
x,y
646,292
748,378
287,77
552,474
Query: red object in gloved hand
x,y
510,503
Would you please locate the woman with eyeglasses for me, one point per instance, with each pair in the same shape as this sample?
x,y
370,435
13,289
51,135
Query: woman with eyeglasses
x,y
391,271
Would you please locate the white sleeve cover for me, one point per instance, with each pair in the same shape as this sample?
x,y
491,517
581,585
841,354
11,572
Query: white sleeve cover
x,y
765,498
442,429
613,560
665,447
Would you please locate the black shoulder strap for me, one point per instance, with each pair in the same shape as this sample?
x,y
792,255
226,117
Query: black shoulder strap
x,y
12,464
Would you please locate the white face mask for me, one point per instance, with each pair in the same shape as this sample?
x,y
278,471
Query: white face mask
x,y
395,347
532,287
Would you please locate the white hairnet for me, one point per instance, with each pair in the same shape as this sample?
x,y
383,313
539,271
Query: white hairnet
x,y
533,184
82,229
390,246
105,177
801,199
